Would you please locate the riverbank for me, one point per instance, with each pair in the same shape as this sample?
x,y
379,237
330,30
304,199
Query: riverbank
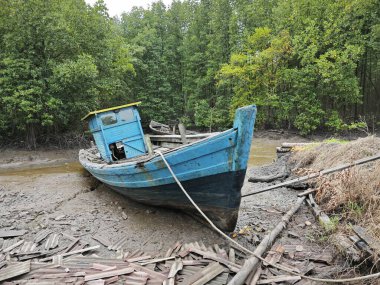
x,y
46,191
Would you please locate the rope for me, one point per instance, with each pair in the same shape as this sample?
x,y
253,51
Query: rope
x,y
251,252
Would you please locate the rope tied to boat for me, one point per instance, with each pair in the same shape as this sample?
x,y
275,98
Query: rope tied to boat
x,y
249,251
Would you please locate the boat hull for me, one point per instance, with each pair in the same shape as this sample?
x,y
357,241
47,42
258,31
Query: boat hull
x,y
211,170
217,195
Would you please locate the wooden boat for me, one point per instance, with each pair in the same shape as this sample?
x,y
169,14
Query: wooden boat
x,y
162,129
211,168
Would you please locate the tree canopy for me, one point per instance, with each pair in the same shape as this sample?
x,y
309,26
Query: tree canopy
x,y
306,64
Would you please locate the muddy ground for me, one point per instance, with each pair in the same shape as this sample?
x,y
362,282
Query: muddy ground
x,y
50,190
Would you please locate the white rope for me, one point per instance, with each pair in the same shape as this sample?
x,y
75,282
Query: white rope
x,y
251,252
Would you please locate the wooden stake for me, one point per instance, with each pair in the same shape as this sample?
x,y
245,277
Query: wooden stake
x,y
252,263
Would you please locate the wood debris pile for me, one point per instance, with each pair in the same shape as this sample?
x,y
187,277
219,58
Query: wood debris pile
x,y
58,259
52,258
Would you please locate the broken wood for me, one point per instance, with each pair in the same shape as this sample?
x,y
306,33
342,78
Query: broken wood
x,y
314,175
307,192
14,270
12,233
278,279
344,245
256,276
362,233
252,263
109,273
291,145
72,252
206,274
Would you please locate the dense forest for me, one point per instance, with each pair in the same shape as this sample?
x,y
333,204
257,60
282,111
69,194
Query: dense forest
x,y
308,65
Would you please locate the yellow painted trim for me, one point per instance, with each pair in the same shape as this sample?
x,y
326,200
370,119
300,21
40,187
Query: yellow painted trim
x,y
110,109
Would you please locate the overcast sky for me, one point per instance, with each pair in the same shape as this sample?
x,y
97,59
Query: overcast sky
x,y
117,7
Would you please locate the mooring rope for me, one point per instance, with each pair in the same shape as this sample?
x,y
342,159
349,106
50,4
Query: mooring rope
x,y
251,252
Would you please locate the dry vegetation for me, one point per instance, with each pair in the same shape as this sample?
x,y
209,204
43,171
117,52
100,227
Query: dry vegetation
x,y
354,194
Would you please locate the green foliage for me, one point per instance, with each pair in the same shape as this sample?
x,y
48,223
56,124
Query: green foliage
x,y
307,64
58,60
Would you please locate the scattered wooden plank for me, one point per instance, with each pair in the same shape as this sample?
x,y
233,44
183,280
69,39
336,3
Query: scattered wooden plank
x,y
362,233
41,235
52,241
278,279
110,273
256,276
12,233
13,246
153,274
274,255
231,255
102,240
204,275
307,192
211,255
139,258
73,252
252,263
13,270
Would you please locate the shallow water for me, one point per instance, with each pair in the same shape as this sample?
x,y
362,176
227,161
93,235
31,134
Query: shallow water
x,y
67,167
263,151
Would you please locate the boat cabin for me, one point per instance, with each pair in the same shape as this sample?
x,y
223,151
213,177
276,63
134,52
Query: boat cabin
x,y
117,132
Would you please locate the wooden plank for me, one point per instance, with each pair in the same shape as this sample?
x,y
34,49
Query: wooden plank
x,y
110,273
12,233
278,279
362,233
73,252
14,270
253,262
204,274
13,246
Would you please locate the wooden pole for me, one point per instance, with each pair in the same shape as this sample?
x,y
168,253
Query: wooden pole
x,y
182,131
252,263
323,172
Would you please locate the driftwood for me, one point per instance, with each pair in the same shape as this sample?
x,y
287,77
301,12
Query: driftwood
x,y
269,178
284,173
290,145
307,192
314,175
252,263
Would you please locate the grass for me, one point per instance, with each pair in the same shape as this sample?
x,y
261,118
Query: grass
x,y
352,195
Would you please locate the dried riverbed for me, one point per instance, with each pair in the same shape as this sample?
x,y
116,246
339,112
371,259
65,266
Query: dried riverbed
x,y
50,190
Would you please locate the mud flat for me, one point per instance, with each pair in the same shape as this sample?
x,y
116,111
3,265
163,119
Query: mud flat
x,y
51,191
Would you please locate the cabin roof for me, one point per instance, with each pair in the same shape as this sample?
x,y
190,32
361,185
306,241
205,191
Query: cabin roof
x,y
110,109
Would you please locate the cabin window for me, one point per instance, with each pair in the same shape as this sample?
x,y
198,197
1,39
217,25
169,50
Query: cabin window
x,y
127,115
109,119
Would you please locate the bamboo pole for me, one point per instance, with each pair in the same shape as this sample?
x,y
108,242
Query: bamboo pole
x,y
252,263
314,175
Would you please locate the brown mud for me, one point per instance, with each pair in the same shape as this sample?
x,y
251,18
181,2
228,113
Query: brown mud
x,y
50,190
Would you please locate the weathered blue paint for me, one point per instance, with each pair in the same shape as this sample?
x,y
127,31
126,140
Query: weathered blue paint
x,y
125,130
211,170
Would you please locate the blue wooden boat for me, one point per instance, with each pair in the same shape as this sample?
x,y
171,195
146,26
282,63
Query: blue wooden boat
x,y
211,169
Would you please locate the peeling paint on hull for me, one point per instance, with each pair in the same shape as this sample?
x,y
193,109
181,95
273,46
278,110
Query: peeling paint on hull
x,y
217,195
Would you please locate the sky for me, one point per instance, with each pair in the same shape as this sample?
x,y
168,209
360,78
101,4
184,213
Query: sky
x,y
117,7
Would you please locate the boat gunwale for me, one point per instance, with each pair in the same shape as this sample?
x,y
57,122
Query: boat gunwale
x,y
148,157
